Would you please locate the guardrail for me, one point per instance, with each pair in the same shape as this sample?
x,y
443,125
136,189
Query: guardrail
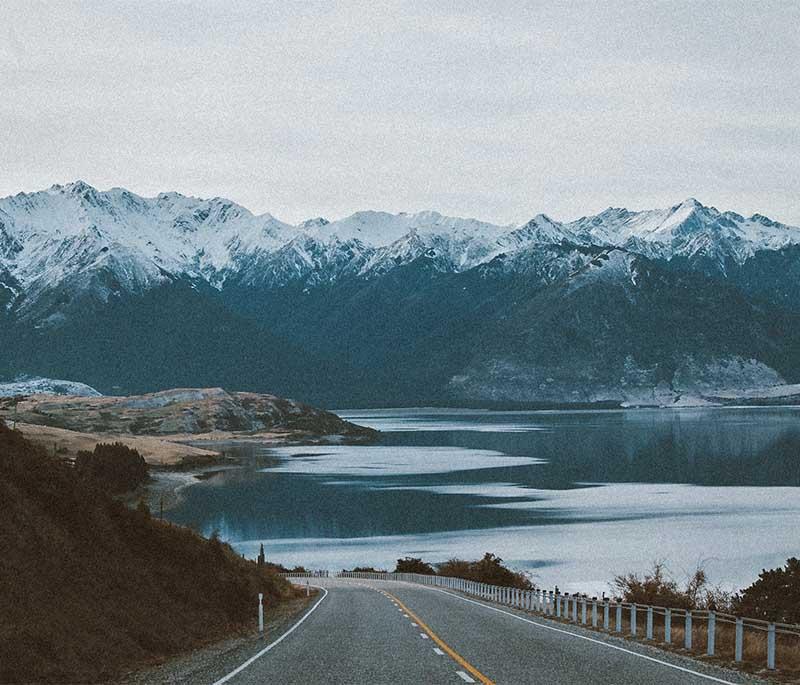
x,y
714,633
307,574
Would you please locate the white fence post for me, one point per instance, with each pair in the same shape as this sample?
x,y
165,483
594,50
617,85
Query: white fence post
x,y
583,610
260,612
633,620
771,647
712,633
667,625
619,619
594,612
739,649
687,638
605,615
649,629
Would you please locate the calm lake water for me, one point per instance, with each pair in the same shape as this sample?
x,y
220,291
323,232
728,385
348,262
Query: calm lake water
x,y
571,496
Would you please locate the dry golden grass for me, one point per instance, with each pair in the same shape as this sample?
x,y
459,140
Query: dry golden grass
x,y
156,451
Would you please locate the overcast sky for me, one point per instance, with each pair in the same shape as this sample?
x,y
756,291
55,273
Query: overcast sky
x,y
494,110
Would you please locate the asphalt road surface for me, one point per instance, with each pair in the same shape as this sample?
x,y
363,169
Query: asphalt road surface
x,y
375,632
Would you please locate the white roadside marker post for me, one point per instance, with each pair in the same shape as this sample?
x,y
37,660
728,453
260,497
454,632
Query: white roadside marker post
x,y
687,637
261,613
712,633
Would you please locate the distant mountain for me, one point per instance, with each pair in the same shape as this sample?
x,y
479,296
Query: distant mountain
x,y
133,294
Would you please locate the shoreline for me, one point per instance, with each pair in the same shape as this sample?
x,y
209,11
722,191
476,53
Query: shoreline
x,y
168,482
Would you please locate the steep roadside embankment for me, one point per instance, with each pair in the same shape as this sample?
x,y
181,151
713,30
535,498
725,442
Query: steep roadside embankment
x,y
89,588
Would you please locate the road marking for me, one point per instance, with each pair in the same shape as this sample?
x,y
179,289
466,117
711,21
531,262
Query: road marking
x,y
464,677
438,651
414,624
584,637
241,668
423,636
455,656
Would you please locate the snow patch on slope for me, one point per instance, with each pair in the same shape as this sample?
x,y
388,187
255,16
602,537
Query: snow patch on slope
x,y
46,386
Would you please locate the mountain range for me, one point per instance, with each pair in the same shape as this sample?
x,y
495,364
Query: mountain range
x,y
132,294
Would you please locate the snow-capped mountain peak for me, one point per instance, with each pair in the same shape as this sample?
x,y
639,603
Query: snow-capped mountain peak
x,y
76,238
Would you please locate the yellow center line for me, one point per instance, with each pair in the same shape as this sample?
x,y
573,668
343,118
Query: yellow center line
x,y
444,646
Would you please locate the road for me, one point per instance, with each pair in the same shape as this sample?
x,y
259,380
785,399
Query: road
x,y
375,632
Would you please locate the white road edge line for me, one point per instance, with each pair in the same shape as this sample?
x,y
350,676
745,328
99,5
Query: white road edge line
x,y
583,637
272,644
438,651
464,677
424,636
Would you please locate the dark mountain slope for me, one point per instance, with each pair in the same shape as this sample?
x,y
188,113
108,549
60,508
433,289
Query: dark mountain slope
x,y
177,335
626,324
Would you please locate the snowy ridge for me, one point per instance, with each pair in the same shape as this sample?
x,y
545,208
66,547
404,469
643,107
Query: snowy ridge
x,y
73,239
686,229
46,386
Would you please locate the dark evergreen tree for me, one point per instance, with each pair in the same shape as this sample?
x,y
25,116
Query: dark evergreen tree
x,y
261,559
116,467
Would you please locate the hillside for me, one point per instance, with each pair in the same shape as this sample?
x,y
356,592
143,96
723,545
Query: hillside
x,y
658,306
89,588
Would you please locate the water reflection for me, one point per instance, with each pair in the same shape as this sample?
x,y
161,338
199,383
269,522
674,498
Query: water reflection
x,y
721,447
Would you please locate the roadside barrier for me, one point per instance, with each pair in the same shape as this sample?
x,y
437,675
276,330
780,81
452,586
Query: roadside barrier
x,y
710,632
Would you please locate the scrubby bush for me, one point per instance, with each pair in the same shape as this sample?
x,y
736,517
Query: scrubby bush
x,y
280,568
414,565
114,466
657,588
775,596
488,570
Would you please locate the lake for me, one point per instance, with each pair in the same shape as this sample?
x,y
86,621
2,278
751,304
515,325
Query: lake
x,y
573,497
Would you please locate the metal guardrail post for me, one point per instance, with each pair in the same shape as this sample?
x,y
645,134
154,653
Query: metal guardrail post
x,y
687,638
771,647
649,628
633,620
668,626
712,633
